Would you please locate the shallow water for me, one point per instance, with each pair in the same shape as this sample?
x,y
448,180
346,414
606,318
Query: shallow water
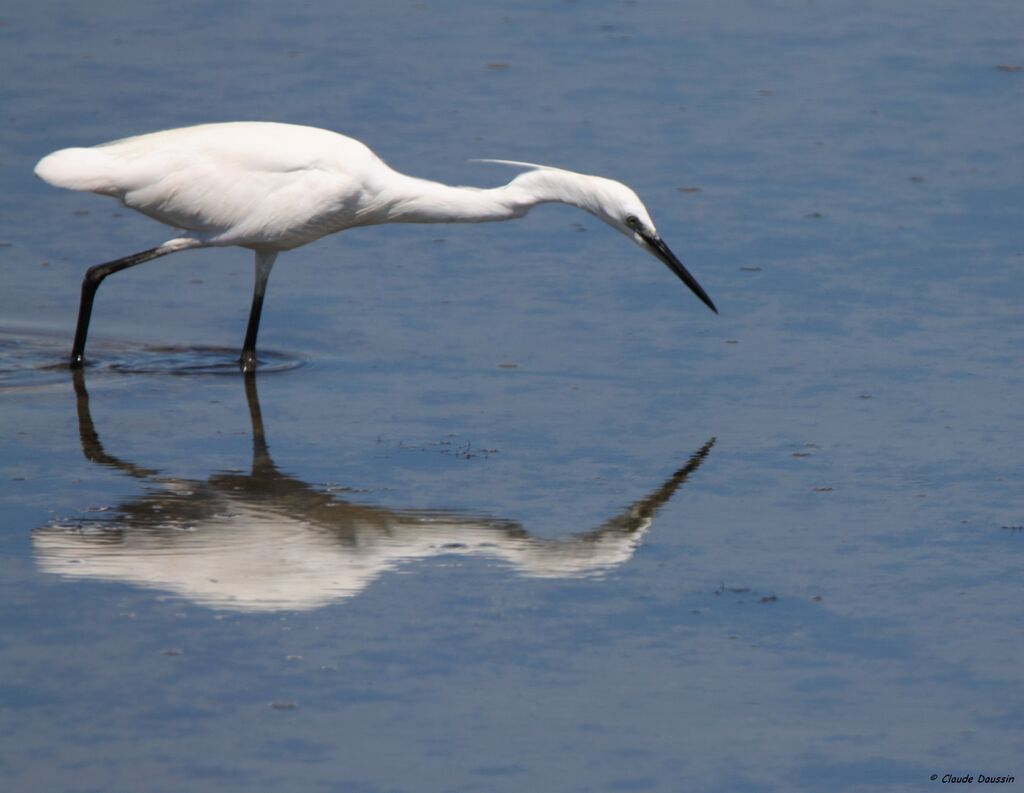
x,y
506,508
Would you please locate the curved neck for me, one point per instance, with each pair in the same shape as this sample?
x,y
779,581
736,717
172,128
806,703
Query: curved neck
x,y
407,199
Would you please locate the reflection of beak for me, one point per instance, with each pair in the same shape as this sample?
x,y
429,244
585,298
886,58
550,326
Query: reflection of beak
x,y
656,246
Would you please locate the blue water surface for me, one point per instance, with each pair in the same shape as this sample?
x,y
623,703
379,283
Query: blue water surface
x,y
507,508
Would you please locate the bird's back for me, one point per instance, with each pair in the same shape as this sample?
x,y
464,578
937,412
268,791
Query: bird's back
x,y
244,183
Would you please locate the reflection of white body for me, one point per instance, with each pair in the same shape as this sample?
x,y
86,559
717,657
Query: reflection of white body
x,y
265,541
249,557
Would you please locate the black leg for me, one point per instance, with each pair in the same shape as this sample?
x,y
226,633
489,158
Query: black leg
x,y
248,359
94,277
264,264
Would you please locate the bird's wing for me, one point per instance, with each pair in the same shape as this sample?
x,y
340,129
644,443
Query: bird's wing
x,y
245,183
240,202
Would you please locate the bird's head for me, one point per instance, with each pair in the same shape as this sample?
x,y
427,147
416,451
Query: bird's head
x,y
621,208
609,200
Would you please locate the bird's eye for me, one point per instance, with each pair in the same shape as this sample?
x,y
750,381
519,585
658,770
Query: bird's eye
x,y
632,221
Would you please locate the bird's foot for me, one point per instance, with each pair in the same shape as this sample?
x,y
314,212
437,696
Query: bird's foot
x,y
247,363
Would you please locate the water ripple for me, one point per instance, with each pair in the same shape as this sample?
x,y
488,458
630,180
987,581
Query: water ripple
x,y
37,359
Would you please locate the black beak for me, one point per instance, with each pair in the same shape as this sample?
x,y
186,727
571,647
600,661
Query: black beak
x,y
661,250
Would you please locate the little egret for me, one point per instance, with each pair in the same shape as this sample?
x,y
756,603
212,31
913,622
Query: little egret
x,y
272,187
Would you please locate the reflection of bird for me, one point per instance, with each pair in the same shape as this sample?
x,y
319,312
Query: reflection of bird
x,y
265,541
273,187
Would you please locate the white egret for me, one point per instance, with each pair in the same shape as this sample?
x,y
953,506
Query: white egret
x,y
272,187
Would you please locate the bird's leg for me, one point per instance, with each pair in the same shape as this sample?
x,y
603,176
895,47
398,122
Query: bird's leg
x,y
264,264
94,277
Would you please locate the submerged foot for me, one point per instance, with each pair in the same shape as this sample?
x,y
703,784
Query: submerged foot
x,y
247,363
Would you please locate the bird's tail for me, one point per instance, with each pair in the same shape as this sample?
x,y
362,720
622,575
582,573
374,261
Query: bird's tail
x,y
79,169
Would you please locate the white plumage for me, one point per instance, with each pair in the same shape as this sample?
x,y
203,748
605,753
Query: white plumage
x,y
273,187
